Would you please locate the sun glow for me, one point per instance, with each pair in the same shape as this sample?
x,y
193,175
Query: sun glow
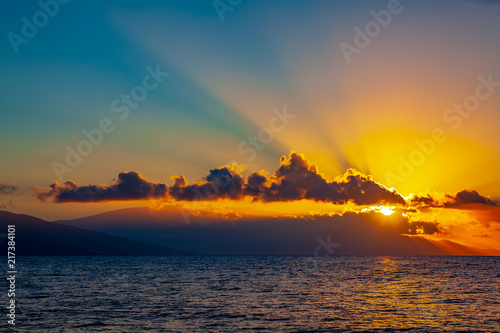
x,y
385,210
379,209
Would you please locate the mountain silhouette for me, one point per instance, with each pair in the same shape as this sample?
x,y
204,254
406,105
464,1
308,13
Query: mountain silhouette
x,y
356,234
36,237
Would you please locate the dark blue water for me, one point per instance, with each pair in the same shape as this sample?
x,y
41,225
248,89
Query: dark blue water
x,y
257,294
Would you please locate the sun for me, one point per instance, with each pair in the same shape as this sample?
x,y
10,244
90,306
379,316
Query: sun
x,y
386,210
380,209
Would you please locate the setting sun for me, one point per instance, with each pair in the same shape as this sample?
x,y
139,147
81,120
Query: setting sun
x,y
386,210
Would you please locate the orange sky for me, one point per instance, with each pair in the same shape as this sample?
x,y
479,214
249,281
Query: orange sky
x,y
417,109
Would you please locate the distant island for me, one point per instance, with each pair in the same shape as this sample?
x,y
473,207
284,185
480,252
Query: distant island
x,y
140,231
36,237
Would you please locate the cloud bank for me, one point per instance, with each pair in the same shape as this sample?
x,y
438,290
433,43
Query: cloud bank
x,y
295,179
463,199
129,186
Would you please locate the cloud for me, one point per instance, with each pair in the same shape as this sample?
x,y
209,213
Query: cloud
x,y
256,184
423,228
462,199
295,179
8,189
221,183
466,197
129,186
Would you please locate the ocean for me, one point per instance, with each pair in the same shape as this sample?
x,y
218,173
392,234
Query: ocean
x,y
256,294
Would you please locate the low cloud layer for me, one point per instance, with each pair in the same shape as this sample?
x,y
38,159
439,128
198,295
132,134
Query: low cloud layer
x,y
8,189
295,179
129,186
462,199
224,182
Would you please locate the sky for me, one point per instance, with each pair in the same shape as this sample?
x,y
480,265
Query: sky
x,y
399,96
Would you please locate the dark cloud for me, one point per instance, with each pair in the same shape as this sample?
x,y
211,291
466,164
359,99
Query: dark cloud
x,y
129,186
464,198
427,228
256,184
424,201
224,182
8,189
297,179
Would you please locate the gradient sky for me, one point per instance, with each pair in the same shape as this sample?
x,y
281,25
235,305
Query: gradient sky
x,y
226,77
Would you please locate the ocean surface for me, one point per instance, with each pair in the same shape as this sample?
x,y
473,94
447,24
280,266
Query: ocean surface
x,y
256,294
